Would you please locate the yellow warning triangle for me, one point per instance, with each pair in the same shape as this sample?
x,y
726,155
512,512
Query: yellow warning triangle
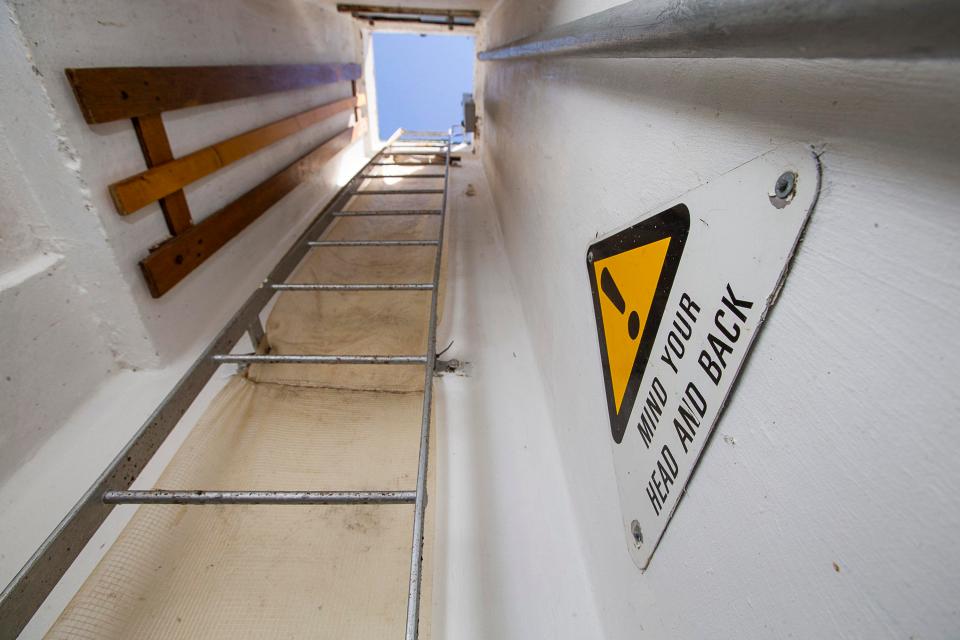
x,y
626,293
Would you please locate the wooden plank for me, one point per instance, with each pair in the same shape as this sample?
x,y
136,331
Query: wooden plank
x,y
413,11
138,191
173,260
113,93
156,150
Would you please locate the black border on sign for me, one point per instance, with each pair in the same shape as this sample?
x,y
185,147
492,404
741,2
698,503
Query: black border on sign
x,y
673,223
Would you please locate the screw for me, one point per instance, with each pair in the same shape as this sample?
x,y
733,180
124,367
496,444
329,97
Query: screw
x,y
589,256
637,533
785,186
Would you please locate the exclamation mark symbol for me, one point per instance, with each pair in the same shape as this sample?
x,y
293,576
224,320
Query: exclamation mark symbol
x,y
609,287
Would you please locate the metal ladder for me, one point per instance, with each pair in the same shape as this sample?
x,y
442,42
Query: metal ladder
x,y
27,591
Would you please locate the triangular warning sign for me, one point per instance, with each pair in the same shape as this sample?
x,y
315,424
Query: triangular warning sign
x,y
639,271
631,273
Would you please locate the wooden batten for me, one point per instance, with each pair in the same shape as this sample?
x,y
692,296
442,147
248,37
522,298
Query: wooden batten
x,y
156,151
114,93
170,177
173,260
144,93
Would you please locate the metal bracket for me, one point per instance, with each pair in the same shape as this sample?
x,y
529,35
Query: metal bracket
x,y
448,366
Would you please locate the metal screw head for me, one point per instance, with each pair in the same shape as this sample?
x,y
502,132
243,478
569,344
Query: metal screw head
x,y
589,256
637,533
785,185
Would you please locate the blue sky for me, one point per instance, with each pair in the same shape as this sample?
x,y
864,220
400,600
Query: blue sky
x,y
421,80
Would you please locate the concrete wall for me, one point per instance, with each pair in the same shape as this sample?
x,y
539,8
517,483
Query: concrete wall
x,y
827,504
72,300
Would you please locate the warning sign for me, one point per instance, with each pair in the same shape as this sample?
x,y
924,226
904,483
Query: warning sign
x,y
631,273
679,296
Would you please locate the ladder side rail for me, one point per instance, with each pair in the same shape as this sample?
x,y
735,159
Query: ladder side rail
x,y
416,552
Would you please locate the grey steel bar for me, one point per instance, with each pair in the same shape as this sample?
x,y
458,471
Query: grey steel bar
x,y
30,587
351,287
163,496
405,164
229,358
421,137
439,135
752,29
373,243
414,151
396,192
405,175
389,212
416,552
417,144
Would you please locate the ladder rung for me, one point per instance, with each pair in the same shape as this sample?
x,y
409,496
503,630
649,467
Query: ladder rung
x,y
373,243
407,164
352,287
230,358
413,132
391,212
414,153
417,144
406,175
395,192
162,496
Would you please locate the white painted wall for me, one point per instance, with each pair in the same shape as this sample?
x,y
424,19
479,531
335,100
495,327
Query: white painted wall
x,y
828,502
55,343
72,300
508,561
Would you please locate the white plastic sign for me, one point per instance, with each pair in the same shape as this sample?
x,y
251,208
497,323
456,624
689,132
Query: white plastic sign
x,y
679,296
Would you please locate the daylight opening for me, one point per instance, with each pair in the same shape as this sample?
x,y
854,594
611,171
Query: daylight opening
x,y
421,79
